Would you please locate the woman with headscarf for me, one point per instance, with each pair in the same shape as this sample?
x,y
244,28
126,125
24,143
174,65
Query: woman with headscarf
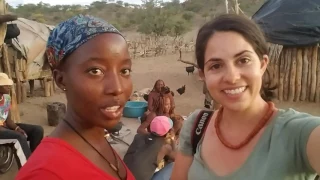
x,y
17,134
91,64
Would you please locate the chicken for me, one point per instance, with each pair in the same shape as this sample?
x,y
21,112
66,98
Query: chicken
x,y
182,90
190,69
145,97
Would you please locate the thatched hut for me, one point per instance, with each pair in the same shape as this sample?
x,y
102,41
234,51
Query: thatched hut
x,y
292,28
27,56
4,63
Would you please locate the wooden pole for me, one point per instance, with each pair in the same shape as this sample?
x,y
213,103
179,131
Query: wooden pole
x,y
3,26
314,59
292,78
299,75
286,85
46,87
18,82
23,91
227,7
236,7
15,113
309,55
281,74
317,96
304,82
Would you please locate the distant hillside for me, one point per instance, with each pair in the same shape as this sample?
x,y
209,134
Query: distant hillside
x,y
153,16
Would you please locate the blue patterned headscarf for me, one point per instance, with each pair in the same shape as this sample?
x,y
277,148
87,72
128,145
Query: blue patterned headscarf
x,y
72,33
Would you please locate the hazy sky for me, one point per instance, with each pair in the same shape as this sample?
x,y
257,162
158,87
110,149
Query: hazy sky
x,y
55,2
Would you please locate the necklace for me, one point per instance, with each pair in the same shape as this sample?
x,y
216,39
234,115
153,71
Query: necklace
x,y
253,133
113,167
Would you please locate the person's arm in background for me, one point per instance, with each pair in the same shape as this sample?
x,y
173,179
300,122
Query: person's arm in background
x,y
11,125
184,155
150,101
172,103
142,129
170,150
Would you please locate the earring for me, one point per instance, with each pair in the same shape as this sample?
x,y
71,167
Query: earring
x,y
64,89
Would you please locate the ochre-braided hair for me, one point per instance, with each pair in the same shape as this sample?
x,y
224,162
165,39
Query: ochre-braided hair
x,y
158,104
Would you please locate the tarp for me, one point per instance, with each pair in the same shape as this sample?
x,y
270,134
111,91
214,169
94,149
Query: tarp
x,y
32,43
290,22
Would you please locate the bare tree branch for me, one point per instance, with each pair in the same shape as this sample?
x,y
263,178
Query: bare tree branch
x,y
190,63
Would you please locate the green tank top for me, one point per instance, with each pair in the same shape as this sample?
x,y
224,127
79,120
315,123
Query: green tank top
x,y
280,154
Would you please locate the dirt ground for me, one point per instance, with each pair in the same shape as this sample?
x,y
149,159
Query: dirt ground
x,y
145,72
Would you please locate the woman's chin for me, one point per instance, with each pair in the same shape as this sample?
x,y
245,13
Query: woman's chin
x,y
236,106
109,125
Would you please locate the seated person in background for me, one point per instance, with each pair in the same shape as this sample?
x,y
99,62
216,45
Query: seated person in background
x,y
148,150
177,125
157,91
162,107
19,133
165,170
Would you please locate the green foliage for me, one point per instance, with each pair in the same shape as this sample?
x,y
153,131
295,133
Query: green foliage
x,y
158,20
154,17
179,27
188,15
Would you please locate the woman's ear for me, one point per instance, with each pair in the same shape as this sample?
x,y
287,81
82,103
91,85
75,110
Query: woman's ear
x,y
58,77
264,63
201,74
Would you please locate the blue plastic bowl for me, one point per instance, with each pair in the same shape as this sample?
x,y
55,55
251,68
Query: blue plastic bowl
x,y
135,109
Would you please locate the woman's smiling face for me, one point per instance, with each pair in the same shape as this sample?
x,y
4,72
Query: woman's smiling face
x,y
97,80
232,70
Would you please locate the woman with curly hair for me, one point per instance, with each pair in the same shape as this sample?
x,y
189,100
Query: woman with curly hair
x,y
161,107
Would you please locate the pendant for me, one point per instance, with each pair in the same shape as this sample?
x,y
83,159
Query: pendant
x,y
113,167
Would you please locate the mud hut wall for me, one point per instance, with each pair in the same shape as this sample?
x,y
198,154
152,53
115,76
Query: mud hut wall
x,y
5,65
15,59
296,72
18,64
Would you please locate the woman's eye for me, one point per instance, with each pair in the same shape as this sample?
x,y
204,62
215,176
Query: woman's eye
x,y
126,72
215,66
96,72
244,60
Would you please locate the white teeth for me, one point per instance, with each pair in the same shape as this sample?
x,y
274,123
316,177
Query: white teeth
x,y
235,91
113,108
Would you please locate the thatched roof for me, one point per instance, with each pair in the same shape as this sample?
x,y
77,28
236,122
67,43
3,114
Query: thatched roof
x,y
32,44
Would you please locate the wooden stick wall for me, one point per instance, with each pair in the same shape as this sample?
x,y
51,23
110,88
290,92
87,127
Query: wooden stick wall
x,y
5,67
296,71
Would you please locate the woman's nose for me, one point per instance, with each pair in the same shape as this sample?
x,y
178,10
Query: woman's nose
x,y
113,84
232,75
